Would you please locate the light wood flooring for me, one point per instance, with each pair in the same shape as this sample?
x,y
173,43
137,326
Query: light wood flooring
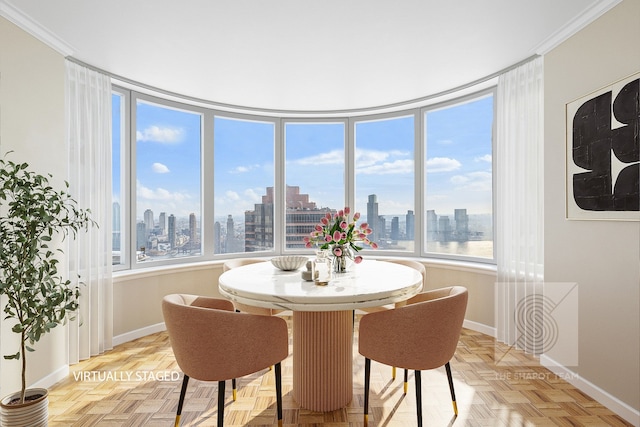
x,y
138,384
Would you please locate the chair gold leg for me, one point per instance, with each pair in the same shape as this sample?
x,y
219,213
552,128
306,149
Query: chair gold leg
x,y
183,392
447,367
367,379
393,373
235,389
406,380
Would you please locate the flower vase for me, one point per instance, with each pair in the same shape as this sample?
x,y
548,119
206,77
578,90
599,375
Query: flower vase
x,y
341,263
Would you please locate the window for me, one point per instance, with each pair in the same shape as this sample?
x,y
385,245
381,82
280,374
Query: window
x,y
118,219
459,179
243,185
193,183
385,177
168,206
314,176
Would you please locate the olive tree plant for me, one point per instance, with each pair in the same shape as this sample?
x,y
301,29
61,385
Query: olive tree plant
x,y
32,214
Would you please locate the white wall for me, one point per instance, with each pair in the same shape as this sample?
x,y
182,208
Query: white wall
x,y
602,257
32,125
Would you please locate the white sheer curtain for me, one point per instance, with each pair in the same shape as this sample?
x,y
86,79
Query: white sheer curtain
x,y
520,216
88,100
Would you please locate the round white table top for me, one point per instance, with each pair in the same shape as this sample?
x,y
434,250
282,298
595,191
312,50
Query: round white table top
x,y
368,284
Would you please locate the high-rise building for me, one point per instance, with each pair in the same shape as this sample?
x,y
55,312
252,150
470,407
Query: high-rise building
x,y
301,218
395,228
141,236
172,231
148,220
432,226
444,229
462,225
230,245
373,218
162,223
217,238
194,242
410,225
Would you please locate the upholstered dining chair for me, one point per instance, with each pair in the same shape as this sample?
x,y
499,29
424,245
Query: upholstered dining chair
x,y
416,266
212,342
239,262
419,336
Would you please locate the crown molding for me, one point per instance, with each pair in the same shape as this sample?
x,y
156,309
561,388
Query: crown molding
x,y
596,10
22,20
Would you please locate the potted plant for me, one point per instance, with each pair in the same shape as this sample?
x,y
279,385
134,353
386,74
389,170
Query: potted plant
x,y
38,298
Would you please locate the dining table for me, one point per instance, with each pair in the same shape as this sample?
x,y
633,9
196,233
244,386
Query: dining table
x,y
323,318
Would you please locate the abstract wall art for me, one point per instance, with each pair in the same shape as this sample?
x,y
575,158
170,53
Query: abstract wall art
x,y
603,153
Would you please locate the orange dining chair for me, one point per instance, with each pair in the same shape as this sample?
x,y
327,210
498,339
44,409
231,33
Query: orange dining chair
x,y
416,266
212,342
419,336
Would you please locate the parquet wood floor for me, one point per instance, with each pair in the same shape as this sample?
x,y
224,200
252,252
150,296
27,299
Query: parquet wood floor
x,y
138,384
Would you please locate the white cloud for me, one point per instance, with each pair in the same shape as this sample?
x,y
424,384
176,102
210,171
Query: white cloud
x,y
486,158
445,141
474,181
366,158
232,195
160,168
235,203
159,134
459,180
252,195
386,168
159,194
442,164
334,157
244,169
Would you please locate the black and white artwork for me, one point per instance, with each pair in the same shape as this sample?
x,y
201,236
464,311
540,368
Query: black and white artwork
x,y
603,153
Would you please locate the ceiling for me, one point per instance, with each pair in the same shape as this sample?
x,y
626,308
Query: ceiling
x,y
300,54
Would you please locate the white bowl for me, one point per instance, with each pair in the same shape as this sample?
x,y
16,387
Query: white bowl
x,y
289,262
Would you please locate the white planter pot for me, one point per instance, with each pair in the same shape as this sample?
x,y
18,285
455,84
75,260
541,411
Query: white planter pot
x,y
33,413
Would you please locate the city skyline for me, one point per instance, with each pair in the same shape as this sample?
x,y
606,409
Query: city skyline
x,y
395,232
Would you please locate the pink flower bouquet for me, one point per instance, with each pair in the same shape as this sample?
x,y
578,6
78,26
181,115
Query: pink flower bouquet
x,y
340,234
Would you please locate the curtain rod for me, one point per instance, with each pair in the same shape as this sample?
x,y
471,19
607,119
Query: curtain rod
x,y
252,110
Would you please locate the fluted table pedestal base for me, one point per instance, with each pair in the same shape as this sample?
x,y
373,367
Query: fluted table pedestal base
x,y
323,359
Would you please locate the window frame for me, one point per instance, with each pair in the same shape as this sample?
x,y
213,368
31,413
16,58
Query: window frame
x,y
281,173
417,186
125,177
204,167
277,165
280,120
490,91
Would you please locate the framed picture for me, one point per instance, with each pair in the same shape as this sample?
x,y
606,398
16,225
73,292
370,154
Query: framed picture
x,y
603,153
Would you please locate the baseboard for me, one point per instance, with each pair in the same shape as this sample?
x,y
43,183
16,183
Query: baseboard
x,y
54,377
138,333
614,404
479,327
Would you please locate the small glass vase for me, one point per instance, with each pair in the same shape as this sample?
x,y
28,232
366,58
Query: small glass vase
x,y
341,264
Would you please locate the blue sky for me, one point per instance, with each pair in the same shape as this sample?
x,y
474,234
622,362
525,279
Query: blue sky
x,y
458,161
